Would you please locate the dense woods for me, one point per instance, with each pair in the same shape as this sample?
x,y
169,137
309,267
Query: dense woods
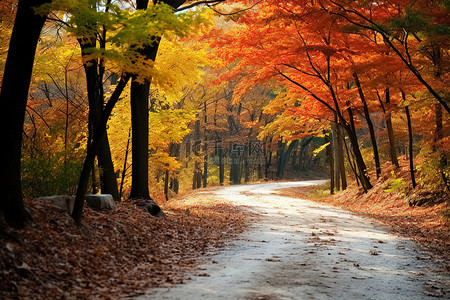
x,y
238,92
147,99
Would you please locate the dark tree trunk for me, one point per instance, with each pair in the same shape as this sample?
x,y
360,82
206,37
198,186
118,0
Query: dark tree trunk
x,y
330,154
410,147
13,100
390,131
205,147
336,156
439,134
139,98
94,79
197,176
340,152
93,148
304,152
166,184
246,168
139,139
124,171
221,165
174,151
370,126
365,182
284,156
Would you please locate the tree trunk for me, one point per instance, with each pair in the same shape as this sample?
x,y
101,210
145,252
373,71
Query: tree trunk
x,y
330,154
340,152
439,134
124,171
108,180
390,131
139,138
370,126
410,147
166,184
13,100
93,149
336,156
139,94
221,165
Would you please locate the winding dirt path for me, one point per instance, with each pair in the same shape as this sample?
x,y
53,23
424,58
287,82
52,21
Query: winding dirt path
x,y
297,249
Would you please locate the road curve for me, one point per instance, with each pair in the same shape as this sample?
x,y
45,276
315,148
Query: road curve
x,y
298,249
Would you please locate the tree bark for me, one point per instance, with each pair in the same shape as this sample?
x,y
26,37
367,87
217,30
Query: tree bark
x,y
390,131
340,151
370,126
221,164
139,94
13,100
93,149
439,134
124,171
410,146
330,154
108,180
336,156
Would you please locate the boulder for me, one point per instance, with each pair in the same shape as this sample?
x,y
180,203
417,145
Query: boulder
x,y
150,206
63,201
100,201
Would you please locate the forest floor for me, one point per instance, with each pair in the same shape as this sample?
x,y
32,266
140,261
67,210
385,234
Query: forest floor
x,y
261,241
114,254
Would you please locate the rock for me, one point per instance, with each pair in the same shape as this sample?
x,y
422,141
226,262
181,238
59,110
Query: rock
x,y
96,202
100,201
63,201
150,206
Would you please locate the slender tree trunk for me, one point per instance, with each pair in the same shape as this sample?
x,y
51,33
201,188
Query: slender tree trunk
x,y
205,147
410,147
336,156
13,100
365,182
108,180
221,165
330,154
166,184
93,149
438,135
390,130
124,171
370,126
174,151
341,164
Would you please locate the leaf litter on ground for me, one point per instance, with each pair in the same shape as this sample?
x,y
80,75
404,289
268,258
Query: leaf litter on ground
x,y
114,254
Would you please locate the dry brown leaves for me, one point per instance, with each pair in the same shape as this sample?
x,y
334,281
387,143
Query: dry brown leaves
x,y
114,254
425,225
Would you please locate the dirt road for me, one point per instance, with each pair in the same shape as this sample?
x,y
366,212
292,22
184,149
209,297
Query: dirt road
x,y
297,249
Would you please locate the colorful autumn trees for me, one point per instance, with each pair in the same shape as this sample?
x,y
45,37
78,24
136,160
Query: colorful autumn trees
x,y
338,58
112,36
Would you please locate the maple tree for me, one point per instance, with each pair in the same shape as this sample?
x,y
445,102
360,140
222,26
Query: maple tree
x,y
322,51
